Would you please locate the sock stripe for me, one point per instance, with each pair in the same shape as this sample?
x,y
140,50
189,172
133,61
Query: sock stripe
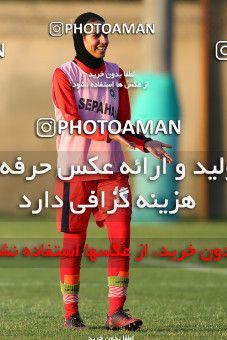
x,y
70,289
70,298
118,281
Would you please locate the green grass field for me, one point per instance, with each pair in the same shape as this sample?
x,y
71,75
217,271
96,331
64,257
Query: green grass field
x,y
174,303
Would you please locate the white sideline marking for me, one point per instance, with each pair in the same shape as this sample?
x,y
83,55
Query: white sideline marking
x,y
222,271
186,266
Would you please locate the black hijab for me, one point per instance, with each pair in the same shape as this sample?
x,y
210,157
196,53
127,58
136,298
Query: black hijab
x,y
81,53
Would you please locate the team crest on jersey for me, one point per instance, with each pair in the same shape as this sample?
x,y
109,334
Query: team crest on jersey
x,y
112,93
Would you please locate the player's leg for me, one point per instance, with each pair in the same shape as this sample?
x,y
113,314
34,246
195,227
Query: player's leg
x,y
118,266
73,245
118,274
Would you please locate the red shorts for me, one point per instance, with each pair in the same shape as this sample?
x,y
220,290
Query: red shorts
x,y
78,192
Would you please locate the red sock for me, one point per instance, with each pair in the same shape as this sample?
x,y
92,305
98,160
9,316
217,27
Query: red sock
x,y
118,266
115,303
70,309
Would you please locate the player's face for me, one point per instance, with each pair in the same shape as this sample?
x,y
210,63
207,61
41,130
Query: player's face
x,y
96,43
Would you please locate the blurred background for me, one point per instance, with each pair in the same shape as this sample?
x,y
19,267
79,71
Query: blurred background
x,y
182,48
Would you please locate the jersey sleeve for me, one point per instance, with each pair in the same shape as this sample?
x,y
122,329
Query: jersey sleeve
x,y
124,114
63,98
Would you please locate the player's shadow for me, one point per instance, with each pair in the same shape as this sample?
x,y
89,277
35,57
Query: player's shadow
x,y
162,329
103,328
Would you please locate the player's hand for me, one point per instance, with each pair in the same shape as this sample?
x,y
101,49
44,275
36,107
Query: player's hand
x,y
118,138
156,149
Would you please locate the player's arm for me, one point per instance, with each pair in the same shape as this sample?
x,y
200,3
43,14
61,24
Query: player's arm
x,y
63,98
142,142
124,114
